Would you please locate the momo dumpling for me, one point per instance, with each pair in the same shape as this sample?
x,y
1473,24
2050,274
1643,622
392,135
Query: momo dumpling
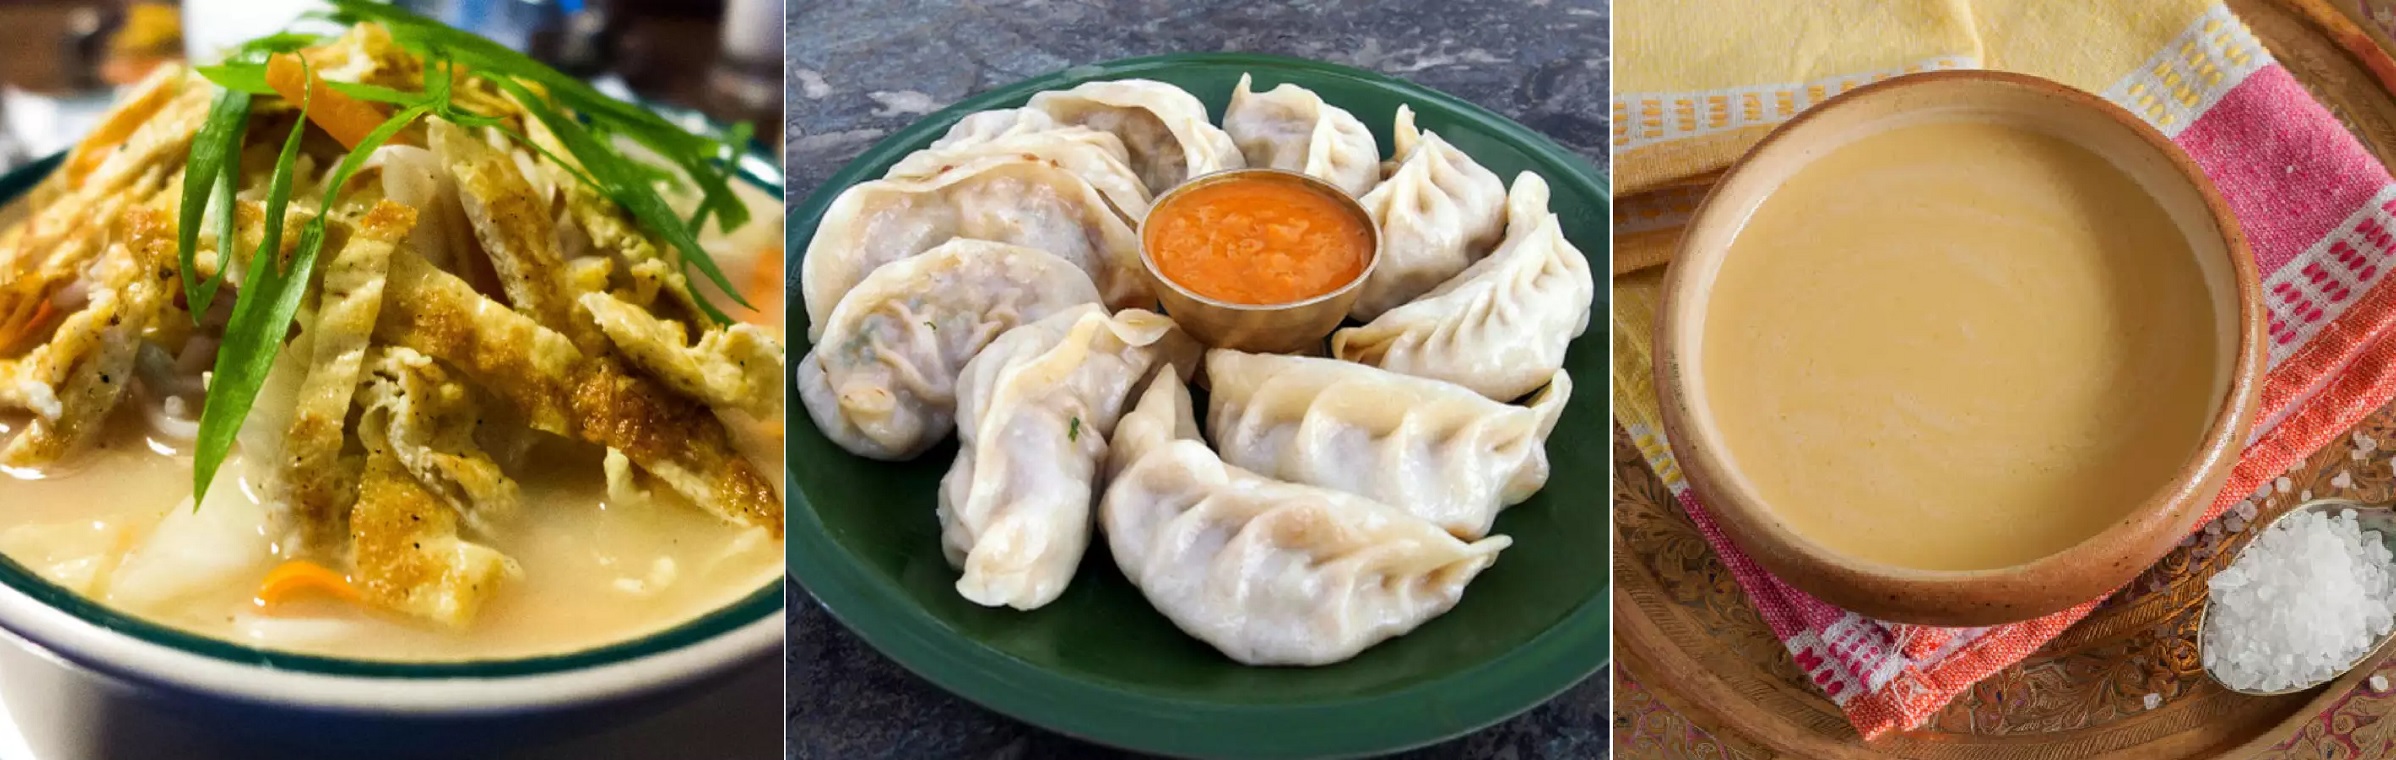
x,y
1501,327
1164,127
1006,199
1438,212
882,384
984,126
1034,411
1269,572
1097,157
1291,128
1437,450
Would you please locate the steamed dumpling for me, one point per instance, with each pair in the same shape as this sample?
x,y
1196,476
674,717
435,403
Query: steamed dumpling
x,y
1034,412
882,384
1436,450
1007,199
1501,327
1438,212
1097,157
1269,572
1165,128
1291,128
984,126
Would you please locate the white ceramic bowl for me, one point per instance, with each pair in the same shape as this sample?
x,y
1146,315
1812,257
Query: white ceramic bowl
x,y
82,680
77,688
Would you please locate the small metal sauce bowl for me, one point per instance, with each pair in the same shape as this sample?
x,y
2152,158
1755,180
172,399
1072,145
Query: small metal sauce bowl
x,y
1294,327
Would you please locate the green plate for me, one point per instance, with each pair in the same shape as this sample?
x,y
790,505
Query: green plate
x,y
1100,663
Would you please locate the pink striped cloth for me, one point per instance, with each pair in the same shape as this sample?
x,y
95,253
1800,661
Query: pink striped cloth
x,y
2320,213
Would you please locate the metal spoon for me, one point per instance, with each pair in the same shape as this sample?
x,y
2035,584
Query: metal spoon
x,y
2370,517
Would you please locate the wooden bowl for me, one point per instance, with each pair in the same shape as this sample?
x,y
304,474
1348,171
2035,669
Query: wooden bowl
x,y
2084,571
1295,327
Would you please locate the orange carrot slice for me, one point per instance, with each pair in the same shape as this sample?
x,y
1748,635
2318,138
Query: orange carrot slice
x,y
290,580
19,325
345,118
764,290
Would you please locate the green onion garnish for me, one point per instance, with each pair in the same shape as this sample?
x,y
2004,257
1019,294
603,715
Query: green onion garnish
x,y
271,291
215,160
248,350
629,189
708,162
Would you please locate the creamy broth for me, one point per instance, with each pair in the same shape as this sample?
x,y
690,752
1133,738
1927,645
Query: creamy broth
x,y
1958,346
595,571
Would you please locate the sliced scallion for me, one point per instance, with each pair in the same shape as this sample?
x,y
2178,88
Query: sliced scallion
x,y
216,147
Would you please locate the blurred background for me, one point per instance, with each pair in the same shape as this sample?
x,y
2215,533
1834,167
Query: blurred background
x,y
693,60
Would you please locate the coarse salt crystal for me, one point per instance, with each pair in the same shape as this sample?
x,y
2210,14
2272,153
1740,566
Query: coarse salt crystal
x,y
2305,600
2343,480
2379,682
2153,700
2283,484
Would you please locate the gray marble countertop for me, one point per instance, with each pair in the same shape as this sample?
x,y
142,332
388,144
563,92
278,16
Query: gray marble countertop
x,y
862,69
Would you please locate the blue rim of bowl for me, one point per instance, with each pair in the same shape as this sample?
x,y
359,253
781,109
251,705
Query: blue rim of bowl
x,y
872,606
754,606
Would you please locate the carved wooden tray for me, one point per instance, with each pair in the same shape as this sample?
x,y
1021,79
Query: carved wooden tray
x,y
1699,675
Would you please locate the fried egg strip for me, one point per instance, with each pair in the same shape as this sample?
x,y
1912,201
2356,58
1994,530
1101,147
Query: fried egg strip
x,y
736,368
351,299
406,553
73,381
513,223
428,422
539,372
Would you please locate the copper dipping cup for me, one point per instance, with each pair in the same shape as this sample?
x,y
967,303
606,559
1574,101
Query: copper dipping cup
x,y
1284,328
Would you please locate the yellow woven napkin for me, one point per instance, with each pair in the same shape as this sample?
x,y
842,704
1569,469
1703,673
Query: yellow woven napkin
x,y
1697,82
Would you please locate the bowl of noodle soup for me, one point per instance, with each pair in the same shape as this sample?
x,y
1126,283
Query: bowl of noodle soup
x,y
511,441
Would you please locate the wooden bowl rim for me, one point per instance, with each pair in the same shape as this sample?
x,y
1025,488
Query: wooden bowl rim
x,y
2086,571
